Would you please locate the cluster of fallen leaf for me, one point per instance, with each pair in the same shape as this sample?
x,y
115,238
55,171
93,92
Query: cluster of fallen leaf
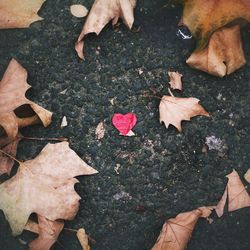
x,y
45,184
177,231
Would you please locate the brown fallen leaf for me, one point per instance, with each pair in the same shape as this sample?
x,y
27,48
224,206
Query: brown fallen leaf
x,y
197,16
101,13
175,80
83,238
174,109
236,194
16,111
100,131
19,14
177,231
223,55
47,230
44,185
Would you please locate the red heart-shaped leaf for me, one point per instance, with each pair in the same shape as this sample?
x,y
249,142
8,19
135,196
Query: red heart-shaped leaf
x,y
124,123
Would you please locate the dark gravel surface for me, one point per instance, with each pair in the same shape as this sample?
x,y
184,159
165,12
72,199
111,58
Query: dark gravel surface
x,y
161,172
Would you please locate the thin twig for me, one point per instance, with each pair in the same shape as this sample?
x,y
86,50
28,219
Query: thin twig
x,y
45,139
10,156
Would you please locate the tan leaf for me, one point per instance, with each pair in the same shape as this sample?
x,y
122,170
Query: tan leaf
x,y
7,163
19,13
78,10
44,185
83,239
223,55
203,18
101,13
247,176
177,231
174,109
236,193
16,111
175,80
47,230
100,131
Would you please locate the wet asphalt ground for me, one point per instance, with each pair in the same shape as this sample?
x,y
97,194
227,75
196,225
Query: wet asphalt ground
x,y
146,179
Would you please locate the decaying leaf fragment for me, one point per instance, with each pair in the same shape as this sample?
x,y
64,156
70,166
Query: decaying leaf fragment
x,y
101,13
47,230
236,194
174,109
44,185
100,131
78,10
83,238
223,55
175,80
19,13
177,231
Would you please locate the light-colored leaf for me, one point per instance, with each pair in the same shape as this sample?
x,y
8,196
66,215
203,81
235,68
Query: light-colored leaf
x,y
100,131
19,13
174,109
102,12
177,231
223,55
44,185
175,80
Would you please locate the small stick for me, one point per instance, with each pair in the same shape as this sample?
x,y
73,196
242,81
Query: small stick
x,y
10,156
45,139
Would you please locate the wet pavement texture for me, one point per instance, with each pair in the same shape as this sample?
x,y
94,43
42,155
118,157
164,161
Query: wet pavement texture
x,y
146,179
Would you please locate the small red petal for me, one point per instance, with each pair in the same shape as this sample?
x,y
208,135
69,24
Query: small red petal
x,y
124,123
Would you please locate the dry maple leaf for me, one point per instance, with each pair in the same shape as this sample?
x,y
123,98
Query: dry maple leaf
x,y
236,193
174,109
47,230
175,80
177,231
204,17
19,13
16,111
44,185
223,55
101,13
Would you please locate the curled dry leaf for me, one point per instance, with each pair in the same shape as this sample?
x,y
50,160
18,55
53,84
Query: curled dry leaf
x,y
197,16
83,238
100,131
101,13
236,194
175,80
174,109
19,14
177,231
78,10
44,185
223,55
64,122
47,230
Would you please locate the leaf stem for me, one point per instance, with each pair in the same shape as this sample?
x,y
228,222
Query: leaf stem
x,y
10,156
